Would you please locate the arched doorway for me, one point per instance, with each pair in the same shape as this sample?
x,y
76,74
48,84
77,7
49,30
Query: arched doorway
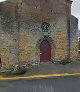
x,y
45,51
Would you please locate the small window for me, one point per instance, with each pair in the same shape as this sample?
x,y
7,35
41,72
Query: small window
x,y
0,63
79,46
45,27
36,7
79,51
0,9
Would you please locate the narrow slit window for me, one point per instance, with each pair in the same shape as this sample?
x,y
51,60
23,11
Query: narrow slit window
x,y
79,46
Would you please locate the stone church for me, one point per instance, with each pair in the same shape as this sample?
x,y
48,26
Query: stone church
x,y
42,30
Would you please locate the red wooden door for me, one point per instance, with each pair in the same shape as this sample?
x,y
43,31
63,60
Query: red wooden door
x,y
45,51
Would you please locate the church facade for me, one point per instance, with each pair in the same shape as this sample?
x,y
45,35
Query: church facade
x,y
41,30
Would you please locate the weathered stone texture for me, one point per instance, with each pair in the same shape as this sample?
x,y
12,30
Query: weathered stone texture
x,y
61,45
74,38
21,33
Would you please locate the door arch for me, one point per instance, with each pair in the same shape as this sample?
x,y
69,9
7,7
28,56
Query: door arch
x,y
45,51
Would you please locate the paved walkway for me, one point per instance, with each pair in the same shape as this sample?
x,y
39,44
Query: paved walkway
x,y
54,68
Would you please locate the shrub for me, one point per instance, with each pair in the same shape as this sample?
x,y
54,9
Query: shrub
x,y
64,61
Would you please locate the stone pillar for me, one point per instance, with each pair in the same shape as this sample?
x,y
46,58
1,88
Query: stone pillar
x,y
61,45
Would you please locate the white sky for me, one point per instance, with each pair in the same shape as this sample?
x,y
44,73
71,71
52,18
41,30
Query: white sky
x,y
2,0
75,9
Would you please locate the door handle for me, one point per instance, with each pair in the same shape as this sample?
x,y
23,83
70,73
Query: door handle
x,y
40,53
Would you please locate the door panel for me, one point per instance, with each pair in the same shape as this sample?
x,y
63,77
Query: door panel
x,y
45,51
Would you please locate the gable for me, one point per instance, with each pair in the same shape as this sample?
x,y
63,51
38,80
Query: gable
x,y
39,10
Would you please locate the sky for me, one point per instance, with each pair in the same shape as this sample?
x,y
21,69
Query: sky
x,y
75,9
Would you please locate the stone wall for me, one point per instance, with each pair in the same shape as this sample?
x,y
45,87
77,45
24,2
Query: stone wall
x,y
74,38
22,47
9,42
21,32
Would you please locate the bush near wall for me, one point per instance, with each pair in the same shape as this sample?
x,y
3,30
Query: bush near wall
x,y
64,61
